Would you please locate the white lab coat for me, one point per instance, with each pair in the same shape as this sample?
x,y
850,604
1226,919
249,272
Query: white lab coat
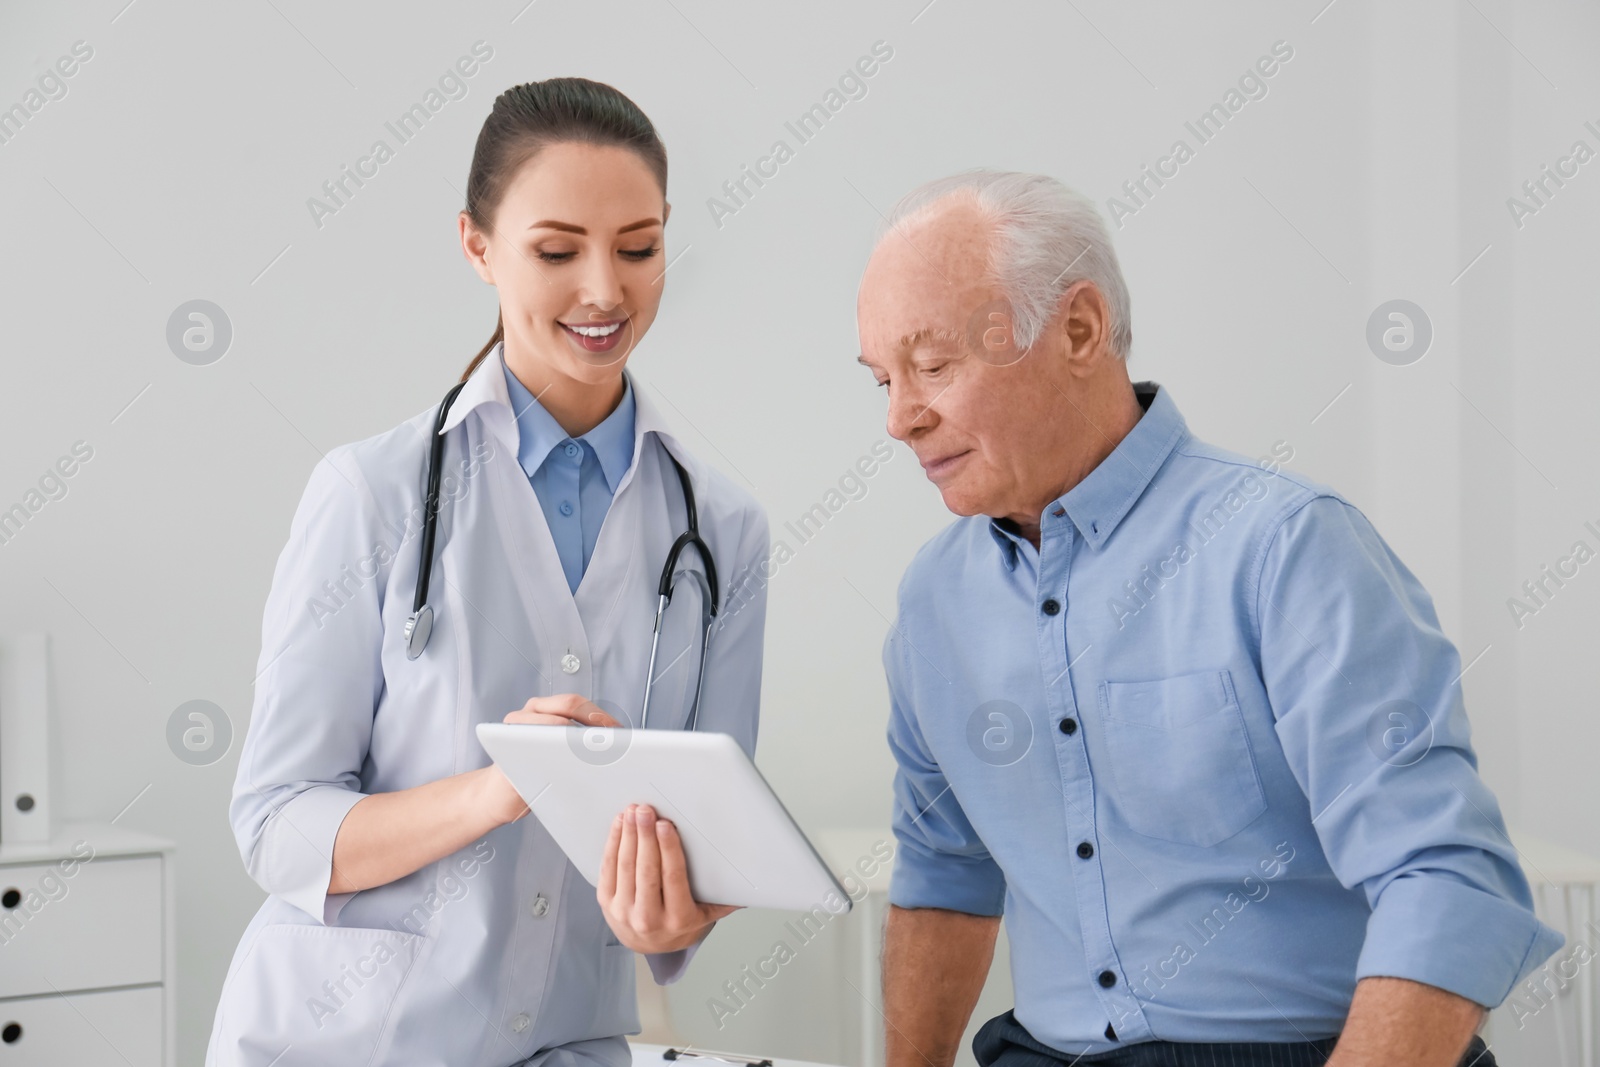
x,y
497,955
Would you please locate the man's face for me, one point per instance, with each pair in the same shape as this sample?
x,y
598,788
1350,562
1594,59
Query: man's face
x,y
981,417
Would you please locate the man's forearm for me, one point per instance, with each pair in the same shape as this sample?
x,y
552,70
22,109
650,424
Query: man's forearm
x,y
934,965
1396,1020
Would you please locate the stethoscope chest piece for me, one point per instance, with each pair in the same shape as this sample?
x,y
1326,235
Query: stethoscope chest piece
x,y
419,627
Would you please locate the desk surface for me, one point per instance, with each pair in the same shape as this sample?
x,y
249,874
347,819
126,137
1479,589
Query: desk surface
x,y
650,1056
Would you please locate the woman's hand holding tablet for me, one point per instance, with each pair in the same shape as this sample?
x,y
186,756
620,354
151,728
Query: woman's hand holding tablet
x,y
644,885
565,709
644,881
737,843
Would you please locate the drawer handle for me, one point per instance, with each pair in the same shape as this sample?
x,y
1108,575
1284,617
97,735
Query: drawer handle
x,y
12,1033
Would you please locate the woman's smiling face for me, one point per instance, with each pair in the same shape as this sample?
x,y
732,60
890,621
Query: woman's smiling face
x,y
577,242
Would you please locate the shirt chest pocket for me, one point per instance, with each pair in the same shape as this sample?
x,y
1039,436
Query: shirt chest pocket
x,y
1180,757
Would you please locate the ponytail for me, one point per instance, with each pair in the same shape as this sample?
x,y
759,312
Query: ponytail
x,y
499,335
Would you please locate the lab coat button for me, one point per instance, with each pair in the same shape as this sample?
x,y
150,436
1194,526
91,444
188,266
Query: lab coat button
x,y
540,906
569,663
520,1023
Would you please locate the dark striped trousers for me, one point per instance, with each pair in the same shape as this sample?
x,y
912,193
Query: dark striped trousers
x,y
1004,1042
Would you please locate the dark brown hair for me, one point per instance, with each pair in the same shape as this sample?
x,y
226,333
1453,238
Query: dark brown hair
x,y
528,118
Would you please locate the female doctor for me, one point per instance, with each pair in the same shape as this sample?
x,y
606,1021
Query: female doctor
x,y
415,917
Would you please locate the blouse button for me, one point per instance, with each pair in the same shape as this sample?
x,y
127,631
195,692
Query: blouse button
x,y
569,663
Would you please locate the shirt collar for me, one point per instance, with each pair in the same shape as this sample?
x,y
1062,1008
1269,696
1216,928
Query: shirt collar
x,y
538,432
612,440
487,389
1097,503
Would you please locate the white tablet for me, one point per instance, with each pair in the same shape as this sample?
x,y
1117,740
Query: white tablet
x,y
742,846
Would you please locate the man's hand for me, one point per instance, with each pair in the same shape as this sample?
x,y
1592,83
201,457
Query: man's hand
x,y
1396,1020
644,886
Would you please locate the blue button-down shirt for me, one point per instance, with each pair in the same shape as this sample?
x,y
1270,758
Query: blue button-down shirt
x,y
1204,748
573,479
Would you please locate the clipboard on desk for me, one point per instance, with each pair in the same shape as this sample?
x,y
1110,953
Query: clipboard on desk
x,y
742,846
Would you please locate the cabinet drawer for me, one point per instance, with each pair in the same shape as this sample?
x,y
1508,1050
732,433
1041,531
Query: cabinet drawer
x,y
98,927
122,1026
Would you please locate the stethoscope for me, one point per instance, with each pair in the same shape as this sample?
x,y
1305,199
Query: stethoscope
x,y
419,626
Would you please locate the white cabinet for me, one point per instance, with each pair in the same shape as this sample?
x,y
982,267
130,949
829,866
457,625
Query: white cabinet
x,y
115,1027
87,949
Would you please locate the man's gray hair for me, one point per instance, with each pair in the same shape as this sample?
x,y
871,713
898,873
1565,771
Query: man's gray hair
x,y
1046,237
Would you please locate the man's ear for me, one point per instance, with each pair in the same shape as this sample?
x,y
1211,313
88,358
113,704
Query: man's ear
x,y
1086,322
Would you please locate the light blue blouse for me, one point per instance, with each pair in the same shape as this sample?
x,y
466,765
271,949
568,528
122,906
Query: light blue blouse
x,y
573,479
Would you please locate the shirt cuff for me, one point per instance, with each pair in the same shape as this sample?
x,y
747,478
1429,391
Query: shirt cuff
x,y
297,852
923,879
668,967
1454,937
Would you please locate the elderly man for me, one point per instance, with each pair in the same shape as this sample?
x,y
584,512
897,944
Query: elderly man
x,y
1187,722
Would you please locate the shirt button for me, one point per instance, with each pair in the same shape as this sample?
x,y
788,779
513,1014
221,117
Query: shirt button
x,y
1051,606
1085,850
566,507
540,906
569,663
520,1023
1069,726
1107,979
572,449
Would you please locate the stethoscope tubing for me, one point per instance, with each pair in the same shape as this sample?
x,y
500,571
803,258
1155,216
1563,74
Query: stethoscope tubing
x,y
419,625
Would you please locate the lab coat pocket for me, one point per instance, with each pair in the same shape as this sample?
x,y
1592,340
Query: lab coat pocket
x,y
327,991
1180,757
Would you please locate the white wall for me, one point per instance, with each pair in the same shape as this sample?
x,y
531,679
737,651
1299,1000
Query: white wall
x,y
179,163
